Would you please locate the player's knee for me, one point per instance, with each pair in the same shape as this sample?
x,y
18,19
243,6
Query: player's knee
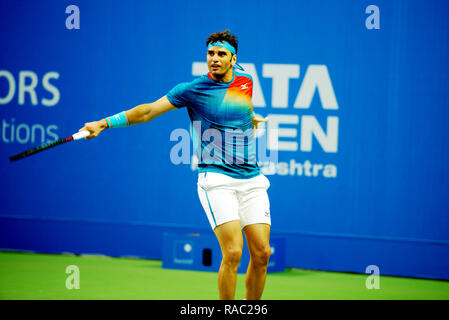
x,y
261,256
232,256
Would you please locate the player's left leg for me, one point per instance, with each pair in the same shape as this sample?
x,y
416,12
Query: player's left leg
x,y
258,240
255,219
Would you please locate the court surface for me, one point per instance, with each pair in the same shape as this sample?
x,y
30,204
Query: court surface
x,y
43,276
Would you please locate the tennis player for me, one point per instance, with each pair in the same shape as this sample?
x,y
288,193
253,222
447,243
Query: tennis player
x,y
231,188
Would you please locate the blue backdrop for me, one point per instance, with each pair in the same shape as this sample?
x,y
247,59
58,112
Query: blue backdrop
x,y
361,98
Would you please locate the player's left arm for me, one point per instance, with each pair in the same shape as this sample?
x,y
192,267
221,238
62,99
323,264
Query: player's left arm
x,y
256,119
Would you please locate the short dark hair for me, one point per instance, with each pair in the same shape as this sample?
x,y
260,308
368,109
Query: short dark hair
x,y
224,36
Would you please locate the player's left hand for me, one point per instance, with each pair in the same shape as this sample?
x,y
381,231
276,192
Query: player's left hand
x,y
258,119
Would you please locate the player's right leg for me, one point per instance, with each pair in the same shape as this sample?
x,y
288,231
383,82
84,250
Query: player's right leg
x,y
221,205
258,240
230,237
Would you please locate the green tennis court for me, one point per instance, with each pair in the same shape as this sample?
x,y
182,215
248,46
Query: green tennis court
x,y
43,276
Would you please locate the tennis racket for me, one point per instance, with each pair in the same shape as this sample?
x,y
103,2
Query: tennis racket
x,y
27,153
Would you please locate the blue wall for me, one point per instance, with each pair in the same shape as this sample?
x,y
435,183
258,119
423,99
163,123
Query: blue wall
x,y
370,184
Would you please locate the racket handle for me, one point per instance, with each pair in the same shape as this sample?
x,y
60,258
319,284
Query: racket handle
x,y
80,135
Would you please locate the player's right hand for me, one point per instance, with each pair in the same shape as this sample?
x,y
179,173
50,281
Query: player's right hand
x,y
94,128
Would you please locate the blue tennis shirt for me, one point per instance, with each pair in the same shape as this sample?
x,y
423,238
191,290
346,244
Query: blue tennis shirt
x,y
221,127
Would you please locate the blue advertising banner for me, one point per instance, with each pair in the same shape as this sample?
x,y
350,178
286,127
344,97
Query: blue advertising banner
x,y
356,143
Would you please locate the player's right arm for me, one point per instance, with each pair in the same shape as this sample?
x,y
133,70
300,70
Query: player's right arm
x,y
140,114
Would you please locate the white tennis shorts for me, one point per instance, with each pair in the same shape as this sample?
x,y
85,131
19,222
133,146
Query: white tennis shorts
x,y
227,199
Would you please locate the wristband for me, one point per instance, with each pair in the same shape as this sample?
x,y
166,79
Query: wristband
x,y
117,121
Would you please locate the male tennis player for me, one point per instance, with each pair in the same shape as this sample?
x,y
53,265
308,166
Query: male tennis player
x,y
231,188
